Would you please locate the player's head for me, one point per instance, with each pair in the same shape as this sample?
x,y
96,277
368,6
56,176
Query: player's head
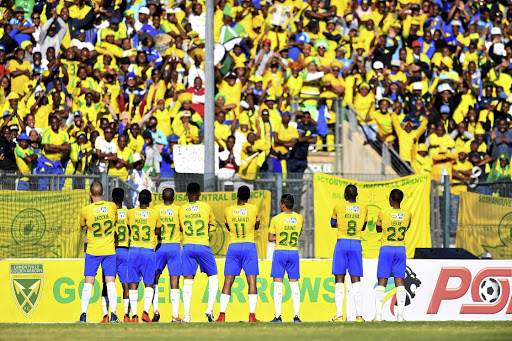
x,y
96,190
168,194
244,193
118,195
350,193
396,196
287,201
193,191
145,197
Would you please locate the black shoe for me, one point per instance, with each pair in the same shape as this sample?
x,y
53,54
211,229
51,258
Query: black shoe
x,y
82,318
156,317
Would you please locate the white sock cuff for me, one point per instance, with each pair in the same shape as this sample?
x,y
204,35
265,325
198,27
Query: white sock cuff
x,y
294,284
400,289
175,291
339,285
278,284
380,288
213,277
188,281
148,290
132,292
88,286
111,285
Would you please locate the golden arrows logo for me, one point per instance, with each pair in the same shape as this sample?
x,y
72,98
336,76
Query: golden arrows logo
x,y
26,286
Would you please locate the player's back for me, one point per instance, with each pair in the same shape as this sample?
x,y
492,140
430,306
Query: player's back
x,y
122,231
394,222
194,219
287,228
169,215
241,220
142,222
351,217
100,219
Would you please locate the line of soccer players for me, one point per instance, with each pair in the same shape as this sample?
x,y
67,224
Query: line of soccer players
x,y
139,243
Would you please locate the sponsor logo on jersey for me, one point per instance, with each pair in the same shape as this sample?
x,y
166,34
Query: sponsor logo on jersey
x,y
143,214
352,209
193,208
168,212
242,211
292,220
121,215
397,216
101,210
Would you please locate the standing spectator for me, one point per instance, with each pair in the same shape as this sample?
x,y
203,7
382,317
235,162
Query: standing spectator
x,y
308,134
501,139
124,161
24,158
285,139
152,162
106,149
49,36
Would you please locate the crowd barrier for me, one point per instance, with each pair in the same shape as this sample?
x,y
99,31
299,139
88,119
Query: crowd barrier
x,y
46,290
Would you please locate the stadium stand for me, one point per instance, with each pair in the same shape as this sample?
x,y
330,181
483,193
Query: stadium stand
x,y
111,86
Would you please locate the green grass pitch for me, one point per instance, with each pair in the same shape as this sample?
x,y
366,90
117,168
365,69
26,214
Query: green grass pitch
x,y
432,331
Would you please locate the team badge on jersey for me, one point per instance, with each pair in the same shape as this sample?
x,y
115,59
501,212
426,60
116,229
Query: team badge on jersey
x,y
352,209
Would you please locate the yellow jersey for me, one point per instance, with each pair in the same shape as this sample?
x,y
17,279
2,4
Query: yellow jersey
x,y
122,232
169,215
143,223
99,220
23,166
394,222
241,220
194,219
287,228
351,217
58,139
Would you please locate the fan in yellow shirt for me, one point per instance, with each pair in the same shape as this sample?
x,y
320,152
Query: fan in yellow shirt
x,y
99,219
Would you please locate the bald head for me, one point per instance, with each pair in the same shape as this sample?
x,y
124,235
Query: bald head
x,y
350,193
96,189
168,195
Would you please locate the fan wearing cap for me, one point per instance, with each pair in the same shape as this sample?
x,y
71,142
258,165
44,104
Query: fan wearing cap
x,y
421,163
52,35
188,132
79,156
24,158
500,170
461,171
442,163
417,57
364,104
231,87
407,135
440,139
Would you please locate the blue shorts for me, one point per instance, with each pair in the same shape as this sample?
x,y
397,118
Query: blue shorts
x,y
285,260
391,261
241,256
92,263
141,262
122,264
348,254
168,254
194,255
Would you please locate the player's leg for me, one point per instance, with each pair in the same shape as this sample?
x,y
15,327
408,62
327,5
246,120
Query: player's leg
x,y
232,268
251,268
122,274
399,267
134,275
293,275
148,259
189,265
383,273
174,268
161,261
339,270
92,264
277,273
156,312
104,298
355,269
208,265
109,267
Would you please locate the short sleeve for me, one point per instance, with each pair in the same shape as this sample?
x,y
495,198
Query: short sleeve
x,y
379,219
272,228
83,218
335,212
257,213
158,223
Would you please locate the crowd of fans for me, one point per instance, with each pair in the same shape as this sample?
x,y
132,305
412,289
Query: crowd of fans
x,y
112,86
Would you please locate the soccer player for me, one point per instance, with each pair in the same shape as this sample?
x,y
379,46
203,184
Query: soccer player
x,y
99,219
168,252
392,222
349,218
144,224
196,220
241,221
122,245
288,226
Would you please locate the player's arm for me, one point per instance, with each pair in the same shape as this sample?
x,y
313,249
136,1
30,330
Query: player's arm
x,y
226,218
211,223
365,221
334,218
257,224
272,231
379,223
83,219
